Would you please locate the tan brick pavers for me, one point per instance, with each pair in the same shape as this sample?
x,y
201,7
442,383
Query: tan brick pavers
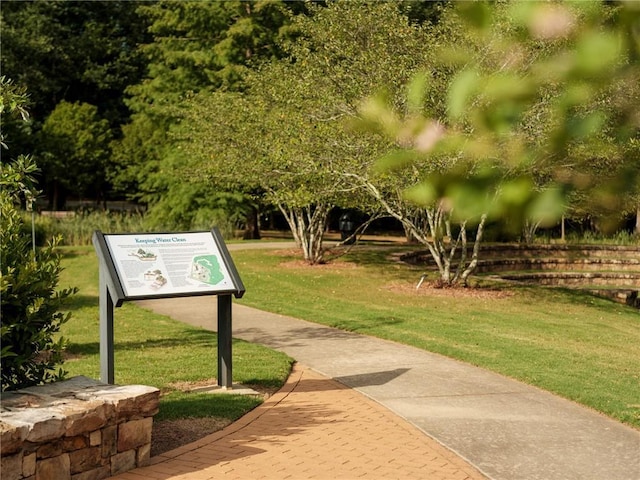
x,y
313,428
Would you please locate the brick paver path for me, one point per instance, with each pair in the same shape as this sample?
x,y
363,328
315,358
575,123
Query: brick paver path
x,y
313,428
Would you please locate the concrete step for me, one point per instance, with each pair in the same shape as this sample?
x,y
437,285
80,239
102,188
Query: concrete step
x,y
596,264
610,271
627,297
509,252
576,278
619,252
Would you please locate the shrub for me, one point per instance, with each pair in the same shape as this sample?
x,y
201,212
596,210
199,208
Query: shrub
x,y
31,316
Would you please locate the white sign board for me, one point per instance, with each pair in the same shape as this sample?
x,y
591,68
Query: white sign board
x,y
169,264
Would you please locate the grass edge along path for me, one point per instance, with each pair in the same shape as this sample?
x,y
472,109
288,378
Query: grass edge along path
x,y
155,350
569,343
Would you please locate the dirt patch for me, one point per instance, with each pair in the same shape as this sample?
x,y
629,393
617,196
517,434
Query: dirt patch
x,y
432,289
291,252
331,266
171,434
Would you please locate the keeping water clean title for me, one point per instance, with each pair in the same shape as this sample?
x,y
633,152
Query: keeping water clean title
x,y
161,240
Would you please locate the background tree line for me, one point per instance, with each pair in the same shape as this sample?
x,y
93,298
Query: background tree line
x,y
209,111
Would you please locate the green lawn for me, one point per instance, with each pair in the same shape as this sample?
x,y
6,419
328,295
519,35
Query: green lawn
x,y
156,350
578,346
570,343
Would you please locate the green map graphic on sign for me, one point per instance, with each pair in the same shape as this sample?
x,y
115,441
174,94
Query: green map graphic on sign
x,y
206,269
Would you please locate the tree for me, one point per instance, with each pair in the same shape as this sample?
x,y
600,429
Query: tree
x,y
77,52
237,144
13,106
74,51
287,132
349,49
533,114
356,48
592,62
30,320
197,46
75,151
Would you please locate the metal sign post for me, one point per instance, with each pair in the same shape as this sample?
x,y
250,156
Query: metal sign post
x,y
107,374
224,341
165,265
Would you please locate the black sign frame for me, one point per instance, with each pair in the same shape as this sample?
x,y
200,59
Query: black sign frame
x,y
113,293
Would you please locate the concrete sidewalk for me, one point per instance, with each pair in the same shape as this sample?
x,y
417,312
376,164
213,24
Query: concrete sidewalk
x,y
506,429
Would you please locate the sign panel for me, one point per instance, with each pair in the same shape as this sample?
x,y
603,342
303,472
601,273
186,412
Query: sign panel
x,y
171,264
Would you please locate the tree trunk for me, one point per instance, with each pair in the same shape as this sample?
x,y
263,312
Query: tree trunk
x,y
638,220
476,249
308,225
59,197
432,233
252,228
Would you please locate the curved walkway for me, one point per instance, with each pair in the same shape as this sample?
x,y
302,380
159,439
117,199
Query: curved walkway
x,y
507,430
313,428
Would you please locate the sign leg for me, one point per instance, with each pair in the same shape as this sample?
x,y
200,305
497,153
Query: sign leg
x,y
106,332
224,341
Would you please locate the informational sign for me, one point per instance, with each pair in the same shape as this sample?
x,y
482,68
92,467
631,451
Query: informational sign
x,y
169,264
141,266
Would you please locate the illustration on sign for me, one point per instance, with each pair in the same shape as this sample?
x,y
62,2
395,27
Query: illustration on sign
x,y
149,264
145,256
206,268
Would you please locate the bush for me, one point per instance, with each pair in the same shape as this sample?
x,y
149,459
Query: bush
x,y
30,319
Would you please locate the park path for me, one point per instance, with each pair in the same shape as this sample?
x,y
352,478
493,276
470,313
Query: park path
x,y
504,428
313,428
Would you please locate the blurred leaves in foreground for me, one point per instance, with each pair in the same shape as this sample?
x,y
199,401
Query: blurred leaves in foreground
x,y
541,113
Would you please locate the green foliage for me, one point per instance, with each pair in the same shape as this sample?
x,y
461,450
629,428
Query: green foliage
x,y
135,171
197,46
75,148
284,137
223,39
13,99
77,228
14,116
198,206
75,51
31,317
539,112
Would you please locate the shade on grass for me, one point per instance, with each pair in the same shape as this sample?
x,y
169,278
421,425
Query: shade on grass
x,y
570,343
156,350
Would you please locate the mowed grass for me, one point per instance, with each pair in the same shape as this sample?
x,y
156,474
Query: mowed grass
x,y
156,350
570,343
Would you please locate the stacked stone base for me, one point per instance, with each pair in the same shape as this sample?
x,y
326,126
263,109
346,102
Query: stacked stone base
x,y
78,429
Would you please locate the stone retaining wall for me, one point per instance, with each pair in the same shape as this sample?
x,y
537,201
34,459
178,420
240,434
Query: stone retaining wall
x,y
78,429
629,254
611,271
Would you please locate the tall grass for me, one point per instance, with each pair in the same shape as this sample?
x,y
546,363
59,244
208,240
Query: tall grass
x,y
622,237
76,228
590,237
